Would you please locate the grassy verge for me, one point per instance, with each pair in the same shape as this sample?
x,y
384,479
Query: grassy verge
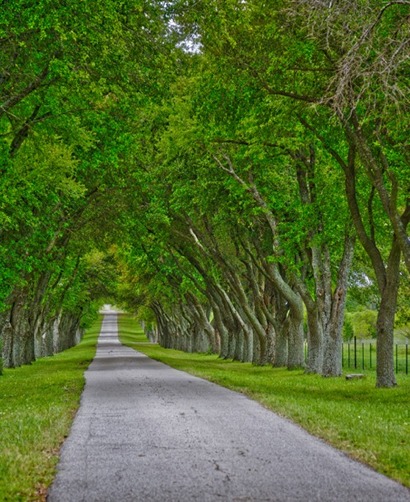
x,y
37,405
371,425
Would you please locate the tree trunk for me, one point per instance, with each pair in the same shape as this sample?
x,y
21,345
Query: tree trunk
x,y
202,318
332,359
7,339
387,279
260,353
281,345
295,329
295,340
314,361
385,321
281,326
220,326
315,323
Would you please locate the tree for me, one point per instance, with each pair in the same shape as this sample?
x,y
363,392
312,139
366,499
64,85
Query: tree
x,y
66,136
333,80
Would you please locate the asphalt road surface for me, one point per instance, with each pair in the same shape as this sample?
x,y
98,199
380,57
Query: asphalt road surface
x,y
147,432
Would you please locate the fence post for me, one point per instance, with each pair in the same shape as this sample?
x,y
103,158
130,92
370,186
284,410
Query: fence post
x,y
348,354
370,353
355,352
362,355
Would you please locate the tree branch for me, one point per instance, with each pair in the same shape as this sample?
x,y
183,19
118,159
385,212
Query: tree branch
x,y
32,86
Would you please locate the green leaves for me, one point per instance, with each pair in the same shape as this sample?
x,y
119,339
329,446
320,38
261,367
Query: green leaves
x,y
204,167
74,79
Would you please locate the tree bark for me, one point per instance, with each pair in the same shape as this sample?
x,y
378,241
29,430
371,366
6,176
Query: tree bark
x,y
332,358
296,358
387,281
385,320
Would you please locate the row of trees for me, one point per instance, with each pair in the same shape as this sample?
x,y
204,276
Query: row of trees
x,y
69,76
230,156
284,143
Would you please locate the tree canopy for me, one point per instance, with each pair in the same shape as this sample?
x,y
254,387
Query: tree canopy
x,y
225,170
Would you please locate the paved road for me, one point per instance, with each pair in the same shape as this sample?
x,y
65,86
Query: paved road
x,y
146,432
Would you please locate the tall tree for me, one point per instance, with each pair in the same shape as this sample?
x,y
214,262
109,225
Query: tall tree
x,y
326,61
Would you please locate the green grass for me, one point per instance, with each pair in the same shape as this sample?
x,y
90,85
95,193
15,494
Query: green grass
x,y
37,405
371,425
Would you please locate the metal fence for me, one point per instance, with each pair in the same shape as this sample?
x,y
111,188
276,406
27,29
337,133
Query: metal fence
x,y
360,354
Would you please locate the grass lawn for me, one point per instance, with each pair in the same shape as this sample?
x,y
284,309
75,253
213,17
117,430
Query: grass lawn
x,y
37,405
371,425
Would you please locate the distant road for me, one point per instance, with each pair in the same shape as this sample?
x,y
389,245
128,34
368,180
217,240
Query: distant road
x,y
147,432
